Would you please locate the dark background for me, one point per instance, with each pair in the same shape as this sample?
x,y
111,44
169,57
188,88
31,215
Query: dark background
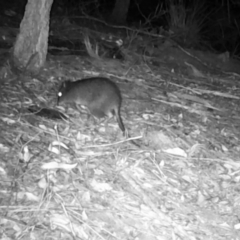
x,y
207,25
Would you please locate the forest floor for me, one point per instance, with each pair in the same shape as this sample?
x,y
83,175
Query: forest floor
x,y
81,179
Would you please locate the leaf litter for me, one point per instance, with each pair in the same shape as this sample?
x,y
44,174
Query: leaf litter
x,y
82,180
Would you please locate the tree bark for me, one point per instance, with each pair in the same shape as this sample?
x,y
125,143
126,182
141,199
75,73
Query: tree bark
x,y
30,49
119,13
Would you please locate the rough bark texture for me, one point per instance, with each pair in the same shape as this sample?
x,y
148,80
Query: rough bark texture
x,y
119,14
30,49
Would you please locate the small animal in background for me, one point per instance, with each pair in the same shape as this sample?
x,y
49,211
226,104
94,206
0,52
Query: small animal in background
x,y
100,95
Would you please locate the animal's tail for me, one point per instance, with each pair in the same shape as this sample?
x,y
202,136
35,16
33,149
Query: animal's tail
x,y
119,120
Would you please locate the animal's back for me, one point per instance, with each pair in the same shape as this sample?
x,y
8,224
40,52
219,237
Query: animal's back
x,y
102,88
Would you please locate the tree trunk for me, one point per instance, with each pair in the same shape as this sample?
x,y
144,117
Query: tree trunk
x,y
30,49
119,14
